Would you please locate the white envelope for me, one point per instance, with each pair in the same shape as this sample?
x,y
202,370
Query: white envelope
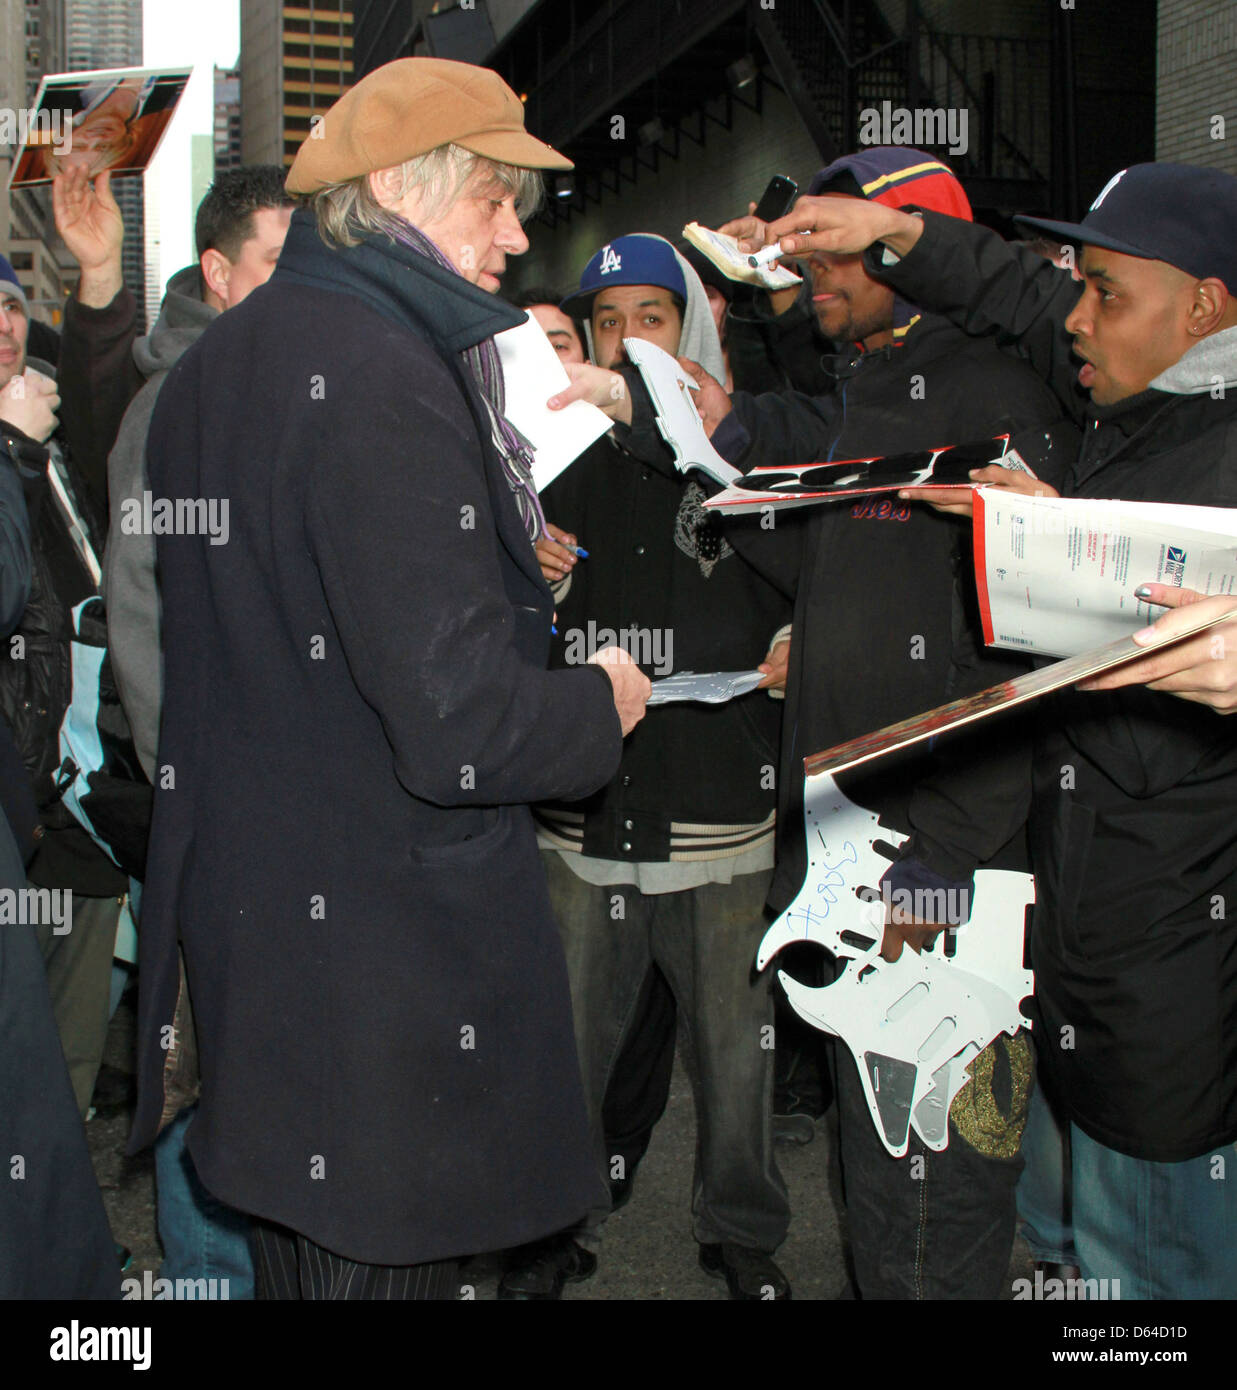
x,y
532,373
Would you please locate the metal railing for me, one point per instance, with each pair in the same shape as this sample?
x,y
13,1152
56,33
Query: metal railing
x,y
989,75
846,57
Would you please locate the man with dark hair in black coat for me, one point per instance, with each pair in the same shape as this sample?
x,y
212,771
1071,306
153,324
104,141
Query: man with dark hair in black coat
x,y
238,231
668,866
1132,831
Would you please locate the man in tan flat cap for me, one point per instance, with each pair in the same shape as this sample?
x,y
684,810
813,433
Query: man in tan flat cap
x,y
357,715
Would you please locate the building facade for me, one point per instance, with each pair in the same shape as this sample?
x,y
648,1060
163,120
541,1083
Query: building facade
x,y
296,62
45,39
1196,94
679,111
102,34
108,34
13,94
31,44
227,130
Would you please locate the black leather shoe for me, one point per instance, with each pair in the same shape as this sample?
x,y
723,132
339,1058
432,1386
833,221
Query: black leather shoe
x,y
539,1270
750,1274
793,1129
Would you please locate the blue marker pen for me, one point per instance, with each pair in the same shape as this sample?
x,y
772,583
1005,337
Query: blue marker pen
x,y
577,550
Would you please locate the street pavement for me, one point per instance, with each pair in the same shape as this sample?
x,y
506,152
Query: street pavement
x,y
647,1251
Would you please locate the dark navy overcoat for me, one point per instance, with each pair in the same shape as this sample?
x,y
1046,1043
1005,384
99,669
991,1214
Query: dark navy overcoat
x,y
357,714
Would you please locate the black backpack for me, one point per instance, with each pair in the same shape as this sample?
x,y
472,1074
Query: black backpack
x,y
100,779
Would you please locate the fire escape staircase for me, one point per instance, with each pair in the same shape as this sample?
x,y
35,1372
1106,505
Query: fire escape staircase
x,y
838,58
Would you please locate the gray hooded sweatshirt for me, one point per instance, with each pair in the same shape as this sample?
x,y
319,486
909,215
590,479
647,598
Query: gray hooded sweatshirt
x,y
130,591
698,339
1208,365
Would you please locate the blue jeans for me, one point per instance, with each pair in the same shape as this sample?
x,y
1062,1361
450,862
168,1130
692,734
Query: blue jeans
x,y
202,1239
930,1225
1044,1197
1165,1230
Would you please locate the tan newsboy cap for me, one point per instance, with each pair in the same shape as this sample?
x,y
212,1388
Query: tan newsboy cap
x,y
412,106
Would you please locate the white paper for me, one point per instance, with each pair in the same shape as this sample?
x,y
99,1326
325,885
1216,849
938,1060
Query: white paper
x,y
1058,574
532,373
714,688
677,418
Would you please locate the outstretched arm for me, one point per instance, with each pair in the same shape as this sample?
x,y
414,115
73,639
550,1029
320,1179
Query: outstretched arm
x,y
98,377
954,268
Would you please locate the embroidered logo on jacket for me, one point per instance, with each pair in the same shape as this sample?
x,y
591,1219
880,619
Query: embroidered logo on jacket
x,y
878,509
696,532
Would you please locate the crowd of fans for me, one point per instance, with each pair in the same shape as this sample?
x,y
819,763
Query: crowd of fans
x,y
422,900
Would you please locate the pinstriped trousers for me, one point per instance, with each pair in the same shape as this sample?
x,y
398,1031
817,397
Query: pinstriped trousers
x,y
287,1265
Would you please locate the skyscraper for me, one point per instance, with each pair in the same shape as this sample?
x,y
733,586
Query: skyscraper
x,y
103,33
31,44
108,34
296,62
44,39
227,119
12,86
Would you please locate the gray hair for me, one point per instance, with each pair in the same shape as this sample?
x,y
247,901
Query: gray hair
x,y
347,212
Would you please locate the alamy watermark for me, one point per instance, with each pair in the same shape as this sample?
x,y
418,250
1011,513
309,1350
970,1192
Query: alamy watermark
x,y
20,907
948,907
148,515
651,647
19,125
83,1342
1052,1289
921,126
197,1290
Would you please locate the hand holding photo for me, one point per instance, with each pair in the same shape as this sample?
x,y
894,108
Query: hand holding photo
x,y
111,119
670,388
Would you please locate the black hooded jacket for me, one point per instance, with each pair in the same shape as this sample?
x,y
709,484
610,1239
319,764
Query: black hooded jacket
x,y
36,673
884,593
16,797
1134,841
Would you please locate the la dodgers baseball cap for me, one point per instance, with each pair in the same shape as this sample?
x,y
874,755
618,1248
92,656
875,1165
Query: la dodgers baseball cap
x,y
627,260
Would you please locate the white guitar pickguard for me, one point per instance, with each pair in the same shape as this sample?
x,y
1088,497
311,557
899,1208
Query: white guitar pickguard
x,y
912,1025
931,1115
670,389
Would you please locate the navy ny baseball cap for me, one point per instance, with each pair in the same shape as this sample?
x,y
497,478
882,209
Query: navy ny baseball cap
x,y
627,260
1179,213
